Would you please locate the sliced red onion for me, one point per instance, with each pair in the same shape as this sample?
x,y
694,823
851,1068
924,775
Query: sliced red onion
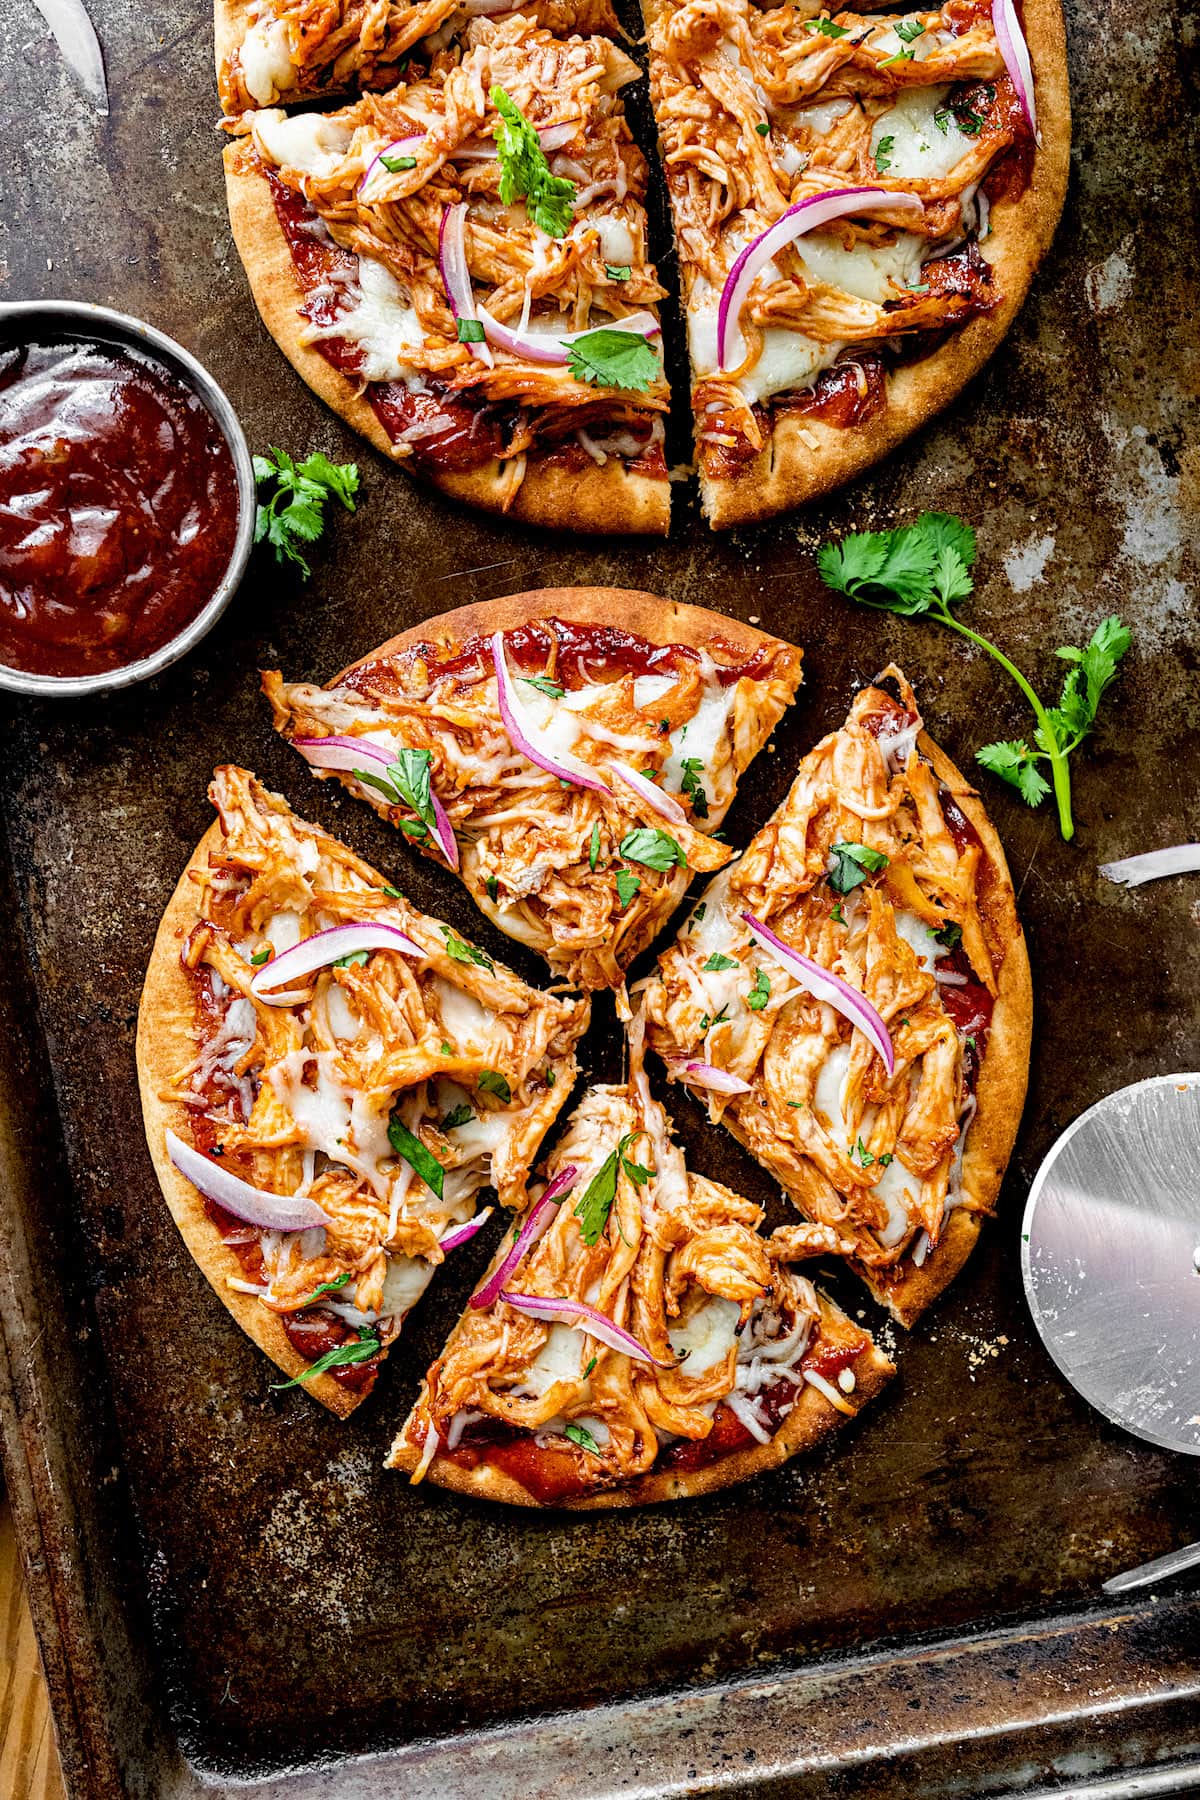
x,y
534,1227
323,948
519,729
462,1234
541,347
805,215
665,805
404,146
344,753
456,275
824,985
270,1212
1131,871
707,1075
1010,41
443,830
582,1317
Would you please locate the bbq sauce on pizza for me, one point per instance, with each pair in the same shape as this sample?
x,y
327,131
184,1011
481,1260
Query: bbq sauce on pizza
x,y
118,507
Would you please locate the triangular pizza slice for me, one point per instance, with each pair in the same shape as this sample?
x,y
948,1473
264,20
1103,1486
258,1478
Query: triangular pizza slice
x,y
852,999
638,1339
329,1080
570,753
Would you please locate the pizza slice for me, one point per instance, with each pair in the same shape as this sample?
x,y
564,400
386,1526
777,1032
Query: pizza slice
x,y
459,268
278,52
852,999
860,204
570,769
639,1339
329,1080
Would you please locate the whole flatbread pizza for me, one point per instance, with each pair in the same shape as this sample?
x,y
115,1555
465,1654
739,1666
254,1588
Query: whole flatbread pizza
x,y
457,259
641,1339
330,1079
570,770
852,1000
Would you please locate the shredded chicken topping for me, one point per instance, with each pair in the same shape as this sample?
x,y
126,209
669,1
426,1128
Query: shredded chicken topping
x,y
298,1098
873,1161
585,878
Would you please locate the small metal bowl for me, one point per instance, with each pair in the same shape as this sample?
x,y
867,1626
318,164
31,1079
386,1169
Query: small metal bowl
x,y
26,321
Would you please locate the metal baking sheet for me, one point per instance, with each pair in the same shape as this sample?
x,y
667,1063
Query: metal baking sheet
x,y
229,1590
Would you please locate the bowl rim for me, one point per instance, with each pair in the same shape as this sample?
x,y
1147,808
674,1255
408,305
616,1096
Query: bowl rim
x,y
85,319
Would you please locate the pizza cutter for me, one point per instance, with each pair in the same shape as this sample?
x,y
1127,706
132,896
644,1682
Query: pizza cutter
x,y
1110,1253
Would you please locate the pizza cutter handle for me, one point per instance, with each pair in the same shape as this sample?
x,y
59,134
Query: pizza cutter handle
x,y
1174,1563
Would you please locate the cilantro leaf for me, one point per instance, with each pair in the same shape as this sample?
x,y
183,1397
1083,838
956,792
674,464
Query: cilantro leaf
x,y
950,934
883,153
760,993
260,957
326,1287
423,1161
827,28
525,173
863,1154
356,959
354,1350
635,1171
693,787
594,846
462,1114
294,513
627,886
396,165
579,1434
1013,762
493,1082
852,863
618,271
461,952
610,357
544,685
653,848
596,1202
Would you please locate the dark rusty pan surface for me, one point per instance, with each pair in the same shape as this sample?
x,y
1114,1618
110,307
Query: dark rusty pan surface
x,y
229,1570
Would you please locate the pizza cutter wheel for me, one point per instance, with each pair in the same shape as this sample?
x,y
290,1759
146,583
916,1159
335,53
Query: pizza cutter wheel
x,y
1110,1253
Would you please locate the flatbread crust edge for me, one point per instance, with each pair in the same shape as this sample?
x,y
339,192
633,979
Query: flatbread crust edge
x,y
164,1044
609,498
811,1419
1003,1074
790,471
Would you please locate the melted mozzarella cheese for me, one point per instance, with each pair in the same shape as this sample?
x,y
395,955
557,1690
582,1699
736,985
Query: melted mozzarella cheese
x,y
310,142
266,60
616,239
466,1021
868,273
789,359
917,933
344,1022
404,1281
700,736
336,1118
822,118
382,323
897,1186
708,1336
557,1360
920,150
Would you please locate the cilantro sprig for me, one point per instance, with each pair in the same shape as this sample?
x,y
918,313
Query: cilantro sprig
x,y
852,863
924,570
610,357
354,1350
596,1202
525,173
407,782
294,513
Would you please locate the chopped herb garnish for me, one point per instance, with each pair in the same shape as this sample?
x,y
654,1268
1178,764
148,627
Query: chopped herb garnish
x,y
593,1209
763,130
470,331
460,952
618,271
326,1287
950,935
852,863
393,893
837,915
706,1023
579,1434
970,1043
525,173
627,886
886,1159
295,513
652,848
590,1367
462,1114
698,916
609,357
354,1350
260,957
493,1082
693,787
925,569
760,993
491,887
356,959
717,962
827,28
883,153
396,165
416,1155
406,782
594,846
941,119
863,1154
544,685
551,1078
908,31
447,1049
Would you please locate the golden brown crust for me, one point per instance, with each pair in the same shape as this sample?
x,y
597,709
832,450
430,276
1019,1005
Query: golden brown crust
x,y
804,457
649,616
608,498
166,1018
811,1419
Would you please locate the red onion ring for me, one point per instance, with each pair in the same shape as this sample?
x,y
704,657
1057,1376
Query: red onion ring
x,y
318,951
824,985
540,347
270,1212
582,1317
462,1234
665,805
516,724
805,215
345,753
404,145
1010,41
456,274
707,1075
533,1228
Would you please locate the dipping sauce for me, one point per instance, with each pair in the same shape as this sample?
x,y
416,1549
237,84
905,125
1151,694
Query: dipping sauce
x,y
118,507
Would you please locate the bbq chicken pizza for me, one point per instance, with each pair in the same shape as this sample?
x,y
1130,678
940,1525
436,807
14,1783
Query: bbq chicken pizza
x,y
456,259
639,1339
852,1000
329,1081
572,772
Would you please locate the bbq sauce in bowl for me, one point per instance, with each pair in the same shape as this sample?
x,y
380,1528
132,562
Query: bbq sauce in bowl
x,y
118,506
